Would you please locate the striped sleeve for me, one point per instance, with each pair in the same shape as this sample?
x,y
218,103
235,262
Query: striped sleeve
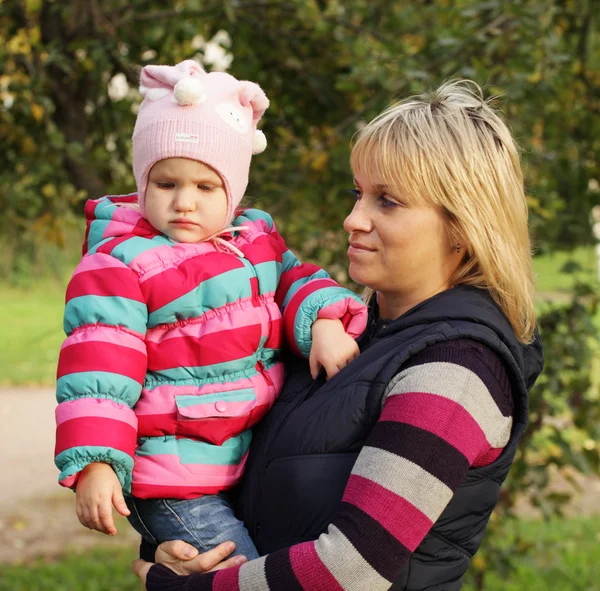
x,y
101,369
306,292
449,408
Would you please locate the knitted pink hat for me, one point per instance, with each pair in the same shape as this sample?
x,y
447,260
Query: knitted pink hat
x,y
187,113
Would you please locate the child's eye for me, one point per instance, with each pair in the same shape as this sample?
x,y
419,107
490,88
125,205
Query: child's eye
x,y
357,194
205,188
163,185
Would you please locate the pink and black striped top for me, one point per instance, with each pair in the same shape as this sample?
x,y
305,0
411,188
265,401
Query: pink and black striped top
x,y
449,409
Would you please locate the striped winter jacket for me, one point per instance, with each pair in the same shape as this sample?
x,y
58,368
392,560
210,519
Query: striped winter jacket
x,y
173,350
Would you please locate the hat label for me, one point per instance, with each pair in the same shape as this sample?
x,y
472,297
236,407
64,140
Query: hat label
x,y
187,138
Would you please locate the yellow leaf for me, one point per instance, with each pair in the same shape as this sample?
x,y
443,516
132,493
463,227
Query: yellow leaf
x,y
28,146
535,77
37,111
49,190
319,162
478,562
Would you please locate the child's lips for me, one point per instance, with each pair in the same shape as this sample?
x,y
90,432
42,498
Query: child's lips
x,y
183,222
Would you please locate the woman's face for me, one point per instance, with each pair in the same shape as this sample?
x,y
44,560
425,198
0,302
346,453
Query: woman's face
x,y
401,250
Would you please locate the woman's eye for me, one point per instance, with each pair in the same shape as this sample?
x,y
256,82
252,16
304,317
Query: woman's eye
x,y
356,193
385,202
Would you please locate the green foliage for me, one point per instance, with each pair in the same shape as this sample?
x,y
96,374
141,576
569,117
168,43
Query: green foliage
x,y
563,433
327,65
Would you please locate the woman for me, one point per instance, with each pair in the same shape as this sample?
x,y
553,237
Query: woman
x,y
388,473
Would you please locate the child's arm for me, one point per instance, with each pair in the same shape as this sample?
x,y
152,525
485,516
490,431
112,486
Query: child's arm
x,y
101,370
305,293
332,347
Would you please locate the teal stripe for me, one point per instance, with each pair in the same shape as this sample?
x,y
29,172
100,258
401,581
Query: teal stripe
x,y
98,384
73,460
321,274
191,451
268,276
231,396
210,294
111,310
253,215
204,372
309,309
96,233
289,260
136,245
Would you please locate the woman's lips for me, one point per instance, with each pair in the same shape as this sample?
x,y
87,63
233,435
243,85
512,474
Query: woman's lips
x,y
358,248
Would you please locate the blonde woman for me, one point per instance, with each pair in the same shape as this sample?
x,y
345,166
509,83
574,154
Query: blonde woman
x,y
386,475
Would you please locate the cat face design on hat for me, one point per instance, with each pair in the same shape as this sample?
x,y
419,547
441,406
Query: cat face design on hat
x,y
209,117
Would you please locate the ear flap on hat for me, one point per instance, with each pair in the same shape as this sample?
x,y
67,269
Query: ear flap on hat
x,y
252,94
157,81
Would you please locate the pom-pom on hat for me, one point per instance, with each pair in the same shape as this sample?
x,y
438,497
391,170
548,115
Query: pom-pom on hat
x,y
210,117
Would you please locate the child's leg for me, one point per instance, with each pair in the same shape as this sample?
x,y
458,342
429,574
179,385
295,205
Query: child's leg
x,y
204,522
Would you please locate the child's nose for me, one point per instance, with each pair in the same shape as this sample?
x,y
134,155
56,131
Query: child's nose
x,y
183,201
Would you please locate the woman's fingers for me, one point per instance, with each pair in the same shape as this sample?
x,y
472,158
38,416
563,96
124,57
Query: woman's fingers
x,y
184,559
140,568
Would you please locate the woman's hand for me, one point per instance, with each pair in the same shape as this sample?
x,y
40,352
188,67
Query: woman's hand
x,y
184,559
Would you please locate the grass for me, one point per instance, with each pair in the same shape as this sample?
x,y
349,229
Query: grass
x,y
566,557
547,268
32,317
32,326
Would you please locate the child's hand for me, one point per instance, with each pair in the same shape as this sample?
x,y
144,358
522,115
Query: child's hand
x,y
331,347
98,488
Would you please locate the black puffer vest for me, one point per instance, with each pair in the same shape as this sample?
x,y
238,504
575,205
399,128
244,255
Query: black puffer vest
x,y
303,451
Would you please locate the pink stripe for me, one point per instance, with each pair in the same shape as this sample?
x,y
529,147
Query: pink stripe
x,y
99,333
93,262
393,512
70,481
212,409
309,569
488,457
119,228
164,468
227,579
237,315
95,407
440,416
161,400
153,262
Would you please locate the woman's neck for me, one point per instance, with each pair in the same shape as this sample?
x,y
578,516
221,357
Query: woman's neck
x,y
392,306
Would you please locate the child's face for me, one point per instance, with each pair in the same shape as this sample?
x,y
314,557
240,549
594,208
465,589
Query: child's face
x,y
185,199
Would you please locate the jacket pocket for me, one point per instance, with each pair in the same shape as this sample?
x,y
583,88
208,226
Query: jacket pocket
x,y
215,417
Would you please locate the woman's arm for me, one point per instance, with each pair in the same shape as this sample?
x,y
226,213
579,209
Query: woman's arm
x,y
448,409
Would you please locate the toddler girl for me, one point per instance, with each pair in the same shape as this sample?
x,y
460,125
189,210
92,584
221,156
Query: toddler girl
x,y
175,318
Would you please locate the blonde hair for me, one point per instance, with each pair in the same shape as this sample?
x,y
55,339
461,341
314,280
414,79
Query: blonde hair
x,y
451,150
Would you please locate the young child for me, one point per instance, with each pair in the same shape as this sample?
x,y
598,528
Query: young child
x,y
175,318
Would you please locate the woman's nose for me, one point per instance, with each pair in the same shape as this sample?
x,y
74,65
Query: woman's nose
x,y
358,219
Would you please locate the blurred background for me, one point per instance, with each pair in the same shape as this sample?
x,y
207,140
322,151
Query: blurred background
x,y
68,97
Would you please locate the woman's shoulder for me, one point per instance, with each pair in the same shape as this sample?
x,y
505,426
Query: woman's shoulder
x,y
457,364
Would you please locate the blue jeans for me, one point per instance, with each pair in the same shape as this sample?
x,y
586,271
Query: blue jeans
x,y
204,522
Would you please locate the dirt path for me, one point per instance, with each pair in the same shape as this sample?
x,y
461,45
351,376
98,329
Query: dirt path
x,y
37,516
